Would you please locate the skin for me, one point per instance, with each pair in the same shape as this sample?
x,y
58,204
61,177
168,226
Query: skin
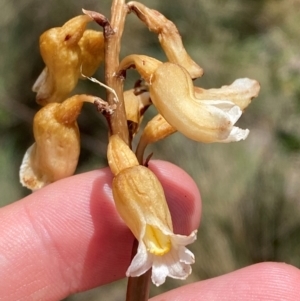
x,y
67,237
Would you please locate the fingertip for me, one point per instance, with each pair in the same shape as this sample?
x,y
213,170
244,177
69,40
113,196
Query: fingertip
x,y
70,232
262,281
182,194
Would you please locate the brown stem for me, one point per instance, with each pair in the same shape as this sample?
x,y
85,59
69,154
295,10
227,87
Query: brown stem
x,y
112,50
138,287
112,38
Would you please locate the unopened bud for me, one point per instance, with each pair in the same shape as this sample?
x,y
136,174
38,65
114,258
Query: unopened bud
x,y
135,107
119,155
92,51
168,36
156,129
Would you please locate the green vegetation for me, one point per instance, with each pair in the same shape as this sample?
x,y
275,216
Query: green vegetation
x,y
250,189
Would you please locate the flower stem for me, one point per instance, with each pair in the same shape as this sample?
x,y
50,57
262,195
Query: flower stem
x,y
137,287
112,50
113,31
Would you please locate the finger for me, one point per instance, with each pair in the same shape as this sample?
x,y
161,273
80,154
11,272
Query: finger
x,y
68,237
264,282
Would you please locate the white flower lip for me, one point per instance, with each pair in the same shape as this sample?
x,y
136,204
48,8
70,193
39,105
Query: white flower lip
x,y
175,264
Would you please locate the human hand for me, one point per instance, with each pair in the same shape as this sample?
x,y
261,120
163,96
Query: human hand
x,y
67,237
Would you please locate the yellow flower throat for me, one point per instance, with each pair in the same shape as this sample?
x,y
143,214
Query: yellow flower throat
x,y
156,242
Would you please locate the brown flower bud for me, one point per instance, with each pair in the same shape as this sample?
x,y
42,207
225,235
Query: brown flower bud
x,y
119,155
168,36
156,129
62,56
92,51
135,107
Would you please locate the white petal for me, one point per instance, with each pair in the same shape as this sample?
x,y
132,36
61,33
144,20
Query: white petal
x,y
169,265
236,134
234,114
176,263
141,262
240,92
228,107
28,176
224,105
40,80
160,270
186,256
183,240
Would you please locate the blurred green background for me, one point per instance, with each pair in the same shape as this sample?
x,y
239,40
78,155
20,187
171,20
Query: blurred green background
x,y
250,189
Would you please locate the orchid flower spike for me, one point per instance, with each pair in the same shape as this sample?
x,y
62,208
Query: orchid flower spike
x,y
140,201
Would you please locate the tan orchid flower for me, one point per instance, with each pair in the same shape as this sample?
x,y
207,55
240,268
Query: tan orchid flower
x,y
55,153
140,201
172,92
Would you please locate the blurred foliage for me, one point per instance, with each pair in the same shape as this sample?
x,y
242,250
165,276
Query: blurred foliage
x,y
250,190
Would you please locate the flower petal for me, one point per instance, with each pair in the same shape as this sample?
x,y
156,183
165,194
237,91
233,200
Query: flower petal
x,y
183,240
141,262
236,134
170,265
240,92
186,256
